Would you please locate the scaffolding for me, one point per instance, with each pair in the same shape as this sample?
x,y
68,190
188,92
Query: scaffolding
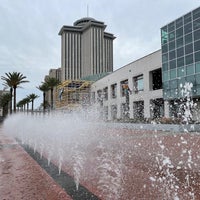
x,y
72,94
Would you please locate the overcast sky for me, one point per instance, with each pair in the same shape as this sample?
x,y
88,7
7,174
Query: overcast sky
x,y
30,44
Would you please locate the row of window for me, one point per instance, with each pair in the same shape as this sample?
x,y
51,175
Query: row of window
x,y
179,93
188,18
181,72
181,61
176,83
156,109
187,41
138,85
191,35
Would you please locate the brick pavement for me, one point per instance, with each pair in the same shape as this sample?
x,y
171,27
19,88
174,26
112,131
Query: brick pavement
x,y
22,178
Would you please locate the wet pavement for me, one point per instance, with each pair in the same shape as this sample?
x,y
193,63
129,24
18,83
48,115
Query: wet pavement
x,y
127,165
22,178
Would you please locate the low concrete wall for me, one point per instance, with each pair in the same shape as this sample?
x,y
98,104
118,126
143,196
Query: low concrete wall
x,y
158,127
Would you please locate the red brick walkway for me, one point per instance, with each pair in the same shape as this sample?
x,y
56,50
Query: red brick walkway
x,y
22,178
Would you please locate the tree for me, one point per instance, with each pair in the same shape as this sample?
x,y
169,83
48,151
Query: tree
x,y
32,97
52,82
44,88
4,101
13,80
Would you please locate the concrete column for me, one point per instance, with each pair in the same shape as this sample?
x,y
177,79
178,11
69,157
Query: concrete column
x,y
166,108
147,108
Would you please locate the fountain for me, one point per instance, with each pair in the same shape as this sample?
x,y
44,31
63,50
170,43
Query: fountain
x,y
112,163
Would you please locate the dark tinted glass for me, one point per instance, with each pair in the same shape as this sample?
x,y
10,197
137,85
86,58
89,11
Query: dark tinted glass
x,y
172,45
171,27
197,56
179,42
189,59
189,49
180,62
180,52
165,66
171,55
179,32
172,64
197,35
197,45
187,18
171,36
165,57
179,22
196,24
188,28
164,48
196,13
188,38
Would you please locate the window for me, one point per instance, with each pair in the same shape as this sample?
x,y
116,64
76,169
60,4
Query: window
x,y
105,93
197,56
187,18
197,45
180,72
124,85
196,24
188,38
171,27
172,36
165,76
172,45
180,62
180,52
188,28
172,64
138,83
190,79
196,35
156,79
172,73
114,90
197,67
189,59
164,35
164,48
179,42
164,57
197,77
179,22
138,110
190,69
179,32
165,66
172,55
188,48
196,13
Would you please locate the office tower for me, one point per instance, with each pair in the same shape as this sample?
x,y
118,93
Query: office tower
x,y
181,56
86,49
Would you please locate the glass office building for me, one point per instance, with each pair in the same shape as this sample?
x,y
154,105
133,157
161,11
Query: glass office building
x,y
180,41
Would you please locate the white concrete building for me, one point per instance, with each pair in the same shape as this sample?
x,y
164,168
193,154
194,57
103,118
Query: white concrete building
x,y
135,89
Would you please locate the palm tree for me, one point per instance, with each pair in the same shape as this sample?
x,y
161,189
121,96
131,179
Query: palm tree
x,y
52,82
13,80
4,101
32,97
44,88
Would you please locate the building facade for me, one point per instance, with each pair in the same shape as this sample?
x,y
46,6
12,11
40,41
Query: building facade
x,y
135,89
86,49
180,40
